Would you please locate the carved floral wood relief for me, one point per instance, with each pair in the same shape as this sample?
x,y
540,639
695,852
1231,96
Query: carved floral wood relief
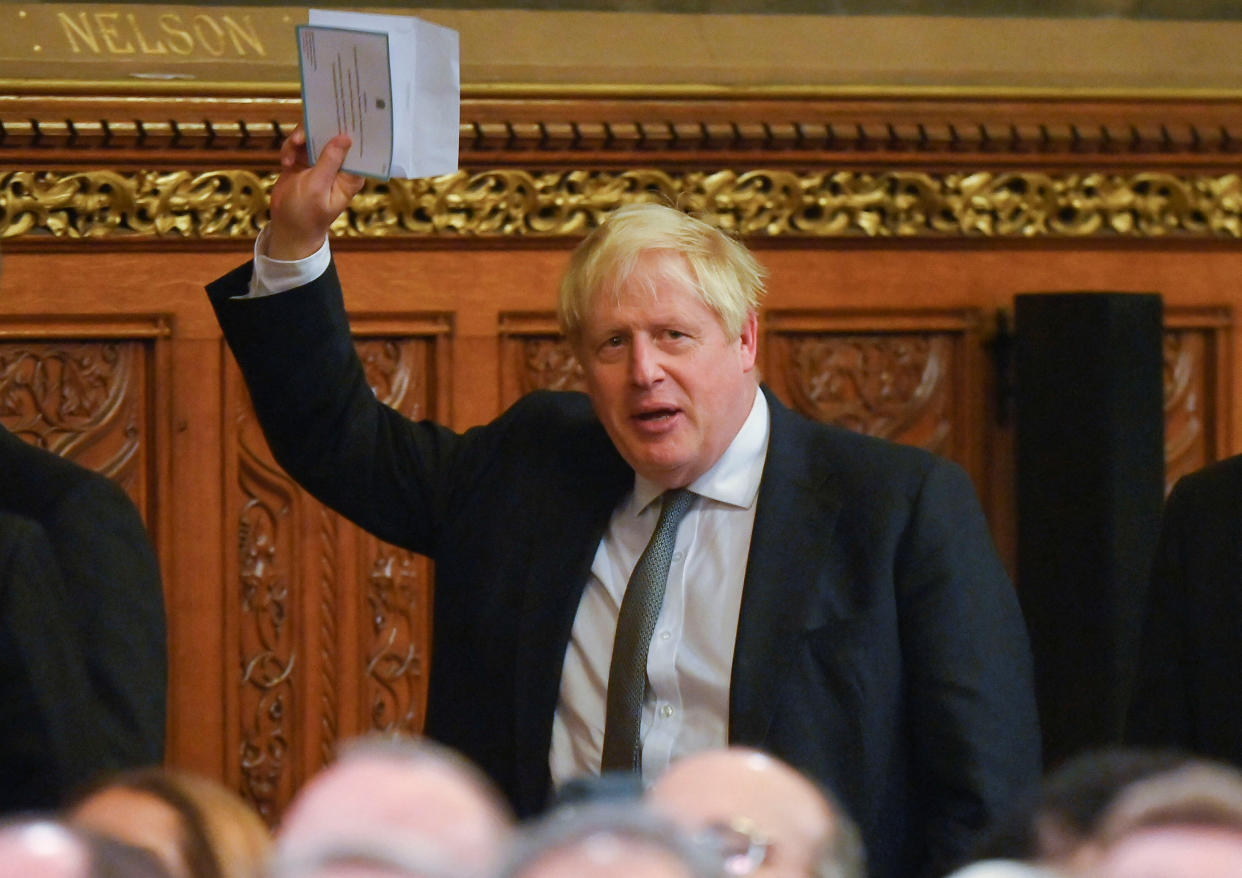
x,y
899,385
397,582
300,561
271,600
85,400
548,363
1195,391
895,385
891,385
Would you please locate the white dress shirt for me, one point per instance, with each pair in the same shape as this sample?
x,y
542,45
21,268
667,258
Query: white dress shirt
x,y
691,657
690,661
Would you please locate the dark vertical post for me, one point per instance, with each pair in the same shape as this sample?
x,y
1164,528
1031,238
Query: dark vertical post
x,y
1090,471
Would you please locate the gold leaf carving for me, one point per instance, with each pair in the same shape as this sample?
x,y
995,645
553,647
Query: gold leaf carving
x,y
148,203
230,203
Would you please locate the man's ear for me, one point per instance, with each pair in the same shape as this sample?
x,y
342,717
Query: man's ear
x,y
749,341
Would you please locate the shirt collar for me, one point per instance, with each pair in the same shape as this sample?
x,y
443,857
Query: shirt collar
x,y
734,478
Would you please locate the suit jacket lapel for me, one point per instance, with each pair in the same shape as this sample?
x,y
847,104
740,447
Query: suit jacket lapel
x,y
797,510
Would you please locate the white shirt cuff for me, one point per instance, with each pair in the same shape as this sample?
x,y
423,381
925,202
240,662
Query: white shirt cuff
x,y
277,275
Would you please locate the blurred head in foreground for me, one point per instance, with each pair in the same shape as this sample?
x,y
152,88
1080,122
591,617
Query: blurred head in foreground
x,y
39,847
403,800
766,818
1183,823
196,826
607,840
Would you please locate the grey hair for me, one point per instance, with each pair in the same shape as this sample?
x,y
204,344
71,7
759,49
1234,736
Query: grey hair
x,y
1199,793
568,826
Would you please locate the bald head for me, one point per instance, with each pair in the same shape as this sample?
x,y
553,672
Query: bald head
x,y
403,791
761,811
41,849
45,848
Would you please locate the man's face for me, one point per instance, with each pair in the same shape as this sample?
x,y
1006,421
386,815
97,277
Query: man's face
x,y
670,386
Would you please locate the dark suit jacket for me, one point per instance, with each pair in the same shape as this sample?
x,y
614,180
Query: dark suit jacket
x,y
1188,689
880,647
83,564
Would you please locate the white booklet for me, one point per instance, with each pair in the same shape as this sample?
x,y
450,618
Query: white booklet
x,y
391,82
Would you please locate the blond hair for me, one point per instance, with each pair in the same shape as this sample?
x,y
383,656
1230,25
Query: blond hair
x,y
726,276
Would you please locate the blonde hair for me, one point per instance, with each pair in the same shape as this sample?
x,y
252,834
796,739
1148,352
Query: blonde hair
x,y
221,834
726,276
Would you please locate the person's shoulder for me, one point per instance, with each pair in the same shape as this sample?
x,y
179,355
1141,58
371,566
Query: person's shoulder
x,y
41,483
552,411
1217,482
548,423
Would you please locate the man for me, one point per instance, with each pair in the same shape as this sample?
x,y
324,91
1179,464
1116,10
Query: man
x,y
416,798
1188,689
766,818
828,597
82,633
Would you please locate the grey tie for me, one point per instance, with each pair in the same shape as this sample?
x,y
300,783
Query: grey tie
x,y
627,676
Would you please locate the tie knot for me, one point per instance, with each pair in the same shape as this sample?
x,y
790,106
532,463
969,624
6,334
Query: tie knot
x,y
675,504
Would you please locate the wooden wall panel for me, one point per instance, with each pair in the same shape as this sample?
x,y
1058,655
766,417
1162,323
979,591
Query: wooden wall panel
x,y
87,395
1197,389
896,229
331,626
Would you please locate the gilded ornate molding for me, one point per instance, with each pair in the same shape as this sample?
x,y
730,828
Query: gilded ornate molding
x,y
520,203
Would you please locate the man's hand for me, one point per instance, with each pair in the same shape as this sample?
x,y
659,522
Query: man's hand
x,y
307,199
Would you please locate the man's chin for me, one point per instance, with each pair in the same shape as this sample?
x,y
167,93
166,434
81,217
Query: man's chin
x,y
667,473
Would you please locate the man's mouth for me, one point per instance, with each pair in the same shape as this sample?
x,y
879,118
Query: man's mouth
x,y
656,415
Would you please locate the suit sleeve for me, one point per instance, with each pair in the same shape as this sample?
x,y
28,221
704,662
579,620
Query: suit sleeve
x,y
392,476
1159,713
972,703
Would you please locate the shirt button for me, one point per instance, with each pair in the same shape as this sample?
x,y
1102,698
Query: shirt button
x,y
677,556
665,635
666,711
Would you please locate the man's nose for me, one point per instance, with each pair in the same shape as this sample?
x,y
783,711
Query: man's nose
x,y
645,365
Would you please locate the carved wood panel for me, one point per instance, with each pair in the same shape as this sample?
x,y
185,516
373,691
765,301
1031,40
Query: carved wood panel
x,y
332,626
85,390
1197,389
306,630
905,376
